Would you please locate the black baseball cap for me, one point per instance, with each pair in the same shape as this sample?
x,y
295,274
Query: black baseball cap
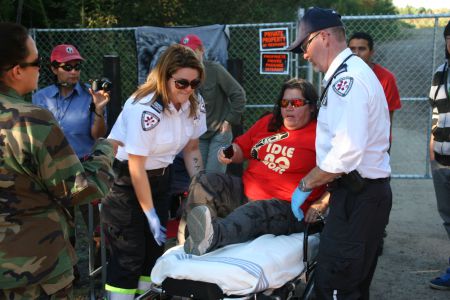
x,y
315,19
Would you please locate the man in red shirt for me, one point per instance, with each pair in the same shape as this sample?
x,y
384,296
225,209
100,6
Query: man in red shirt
x,y
361,44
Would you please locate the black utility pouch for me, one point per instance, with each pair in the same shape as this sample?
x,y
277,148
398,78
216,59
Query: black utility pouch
x,y
353,181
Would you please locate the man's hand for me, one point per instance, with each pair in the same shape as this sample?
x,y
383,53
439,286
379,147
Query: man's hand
x,y
297,199
115,144
158,231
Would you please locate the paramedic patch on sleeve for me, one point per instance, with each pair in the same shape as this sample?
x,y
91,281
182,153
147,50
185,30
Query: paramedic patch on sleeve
x,y
343,86
149,120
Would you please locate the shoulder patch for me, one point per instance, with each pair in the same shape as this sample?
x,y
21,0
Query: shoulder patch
x,y
343,86
149,120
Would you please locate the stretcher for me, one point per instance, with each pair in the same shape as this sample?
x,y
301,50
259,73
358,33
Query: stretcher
x,y
269,267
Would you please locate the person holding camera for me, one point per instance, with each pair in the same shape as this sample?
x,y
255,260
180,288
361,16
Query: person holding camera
x,y
161,118
41,177
352,158
223,209
78,109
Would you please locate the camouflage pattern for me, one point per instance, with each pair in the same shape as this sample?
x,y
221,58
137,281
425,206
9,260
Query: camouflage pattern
x,y
233,218
50,290
40,176
222,193
254,219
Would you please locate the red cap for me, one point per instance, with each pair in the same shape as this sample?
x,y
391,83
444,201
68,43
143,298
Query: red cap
x,y
64,53
192,41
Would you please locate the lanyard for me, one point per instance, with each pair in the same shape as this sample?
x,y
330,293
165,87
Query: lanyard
x,y
341,66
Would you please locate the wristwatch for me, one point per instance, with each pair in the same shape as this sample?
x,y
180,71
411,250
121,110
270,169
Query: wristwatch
x,y
302,186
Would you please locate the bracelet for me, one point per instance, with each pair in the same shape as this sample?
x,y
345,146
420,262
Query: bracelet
x,y
98,115
92,109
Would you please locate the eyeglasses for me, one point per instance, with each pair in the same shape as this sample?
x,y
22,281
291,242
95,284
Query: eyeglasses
x,y
35,63
305,46
68,67
183,84
297,102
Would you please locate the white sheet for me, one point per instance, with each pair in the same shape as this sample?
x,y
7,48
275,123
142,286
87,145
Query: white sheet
x,y
240,269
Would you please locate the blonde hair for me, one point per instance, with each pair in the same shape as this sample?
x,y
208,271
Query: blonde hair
x,y
174,58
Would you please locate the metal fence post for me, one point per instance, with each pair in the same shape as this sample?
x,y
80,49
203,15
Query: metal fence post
x,y
111,70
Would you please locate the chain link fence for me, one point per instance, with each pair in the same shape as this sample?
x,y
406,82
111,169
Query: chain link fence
x,y
410,46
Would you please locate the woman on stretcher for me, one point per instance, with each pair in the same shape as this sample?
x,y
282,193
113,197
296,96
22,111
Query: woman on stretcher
x,y
280,148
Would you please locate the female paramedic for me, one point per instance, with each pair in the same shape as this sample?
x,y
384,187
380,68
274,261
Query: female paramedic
x,y
161,118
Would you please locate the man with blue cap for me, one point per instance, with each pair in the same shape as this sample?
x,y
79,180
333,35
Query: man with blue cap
x,y
352,141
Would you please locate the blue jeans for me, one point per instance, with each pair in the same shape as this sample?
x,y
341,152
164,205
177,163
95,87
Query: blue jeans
x,y
210,147
441,181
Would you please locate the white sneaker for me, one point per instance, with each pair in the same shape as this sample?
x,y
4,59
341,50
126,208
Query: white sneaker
x,y
200,229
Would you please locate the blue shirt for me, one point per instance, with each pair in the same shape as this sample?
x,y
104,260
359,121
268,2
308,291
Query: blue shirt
x,y
72,113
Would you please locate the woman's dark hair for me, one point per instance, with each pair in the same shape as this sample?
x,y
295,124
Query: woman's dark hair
x,y
13,45
308,92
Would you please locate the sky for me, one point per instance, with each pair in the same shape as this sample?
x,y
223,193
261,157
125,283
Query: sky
x,y
422,3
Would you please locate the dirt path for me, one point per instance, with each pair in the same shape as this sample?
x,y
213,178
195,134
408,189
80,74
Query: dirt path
x,y
416,248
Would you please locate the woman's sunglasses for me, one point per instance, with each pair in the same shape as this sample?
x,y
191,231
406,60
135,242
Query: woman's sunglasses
x,y
68,68
297,102
183,84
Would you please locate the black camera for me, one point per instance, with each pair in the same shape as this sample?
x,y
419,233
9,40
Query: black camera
x,y
228,151
101,84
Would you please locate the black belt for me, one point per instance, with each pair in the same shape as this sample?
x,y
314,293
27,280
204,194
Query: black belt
x,y
121,167
354,182
156,172
376,180
442,159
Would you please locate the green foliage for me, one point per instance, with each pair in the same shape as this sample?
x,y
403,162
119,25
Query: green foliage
x,y
111,13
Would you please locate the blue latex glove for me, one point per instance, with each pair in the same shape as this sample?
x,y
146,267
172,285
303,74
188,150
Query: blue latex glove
x,y
158,231
297,199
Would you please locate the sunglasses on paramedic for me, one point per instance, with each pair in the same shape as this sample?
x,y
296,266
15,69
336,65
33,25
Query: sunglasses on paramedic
x,y
297,102
183,84
68,67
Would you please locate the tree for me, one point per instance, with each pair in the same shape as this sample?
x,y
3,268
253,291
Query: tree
x,y
109,13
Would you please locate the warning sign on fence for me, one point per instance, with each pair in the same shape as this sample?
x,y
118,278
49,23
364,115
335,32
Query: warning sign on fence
x,y
273,39
275,63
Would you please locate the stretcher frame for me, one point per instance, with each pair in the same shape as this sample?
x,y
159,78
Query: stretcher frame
x,y
198,290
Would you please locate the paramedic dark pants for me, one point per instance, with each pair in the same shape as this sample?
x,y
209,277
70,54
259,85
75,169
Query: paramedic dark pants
x,y
133,250
350,239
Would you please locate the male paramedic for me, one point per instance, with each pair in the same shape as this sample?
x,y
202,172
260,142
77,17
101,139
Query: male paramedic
x,y
351,143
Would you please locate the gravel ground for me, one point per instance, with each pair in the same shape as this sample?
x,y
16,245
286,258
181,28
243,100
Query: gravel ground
x,y
416,248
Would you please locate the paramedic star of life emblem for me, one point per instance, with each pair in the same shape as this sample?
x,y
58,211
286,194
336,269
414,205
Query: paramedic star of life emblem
x,y
149,120
343,86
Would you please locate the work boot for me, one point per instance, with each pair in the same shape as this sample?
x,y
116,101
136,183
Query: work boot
x,y
201,232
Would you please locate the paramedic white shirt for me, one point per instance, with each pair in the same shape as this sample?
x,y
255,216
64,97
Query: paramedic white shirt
x,y
353,122
146,130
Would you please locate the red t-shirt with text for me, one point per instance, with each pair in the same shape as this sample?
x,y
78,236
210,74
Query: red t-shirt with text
x,y
282,162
